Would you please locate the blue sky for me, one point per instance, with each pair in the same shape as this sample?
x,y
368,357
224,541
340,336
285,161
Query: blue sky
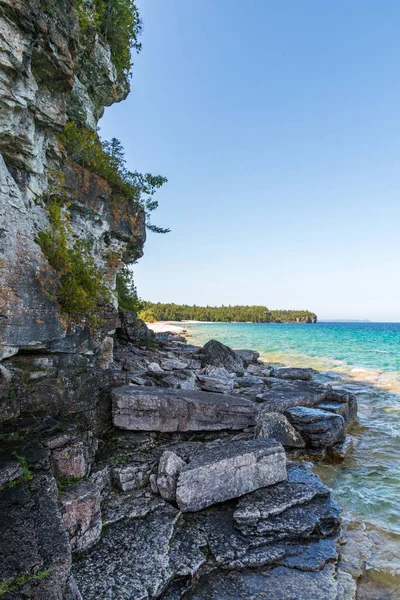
x,y
277,124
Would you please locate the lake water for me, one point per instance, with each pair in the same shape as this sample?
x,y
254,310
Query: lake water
x,y
363,358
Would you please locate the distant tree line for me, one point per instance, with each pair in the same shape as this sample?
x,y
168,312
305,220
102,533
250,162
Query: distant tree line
x,y
223,314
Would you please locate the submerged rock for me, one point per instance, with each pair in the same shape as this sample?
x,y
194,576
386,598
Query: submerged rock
x,y
229,471
156,409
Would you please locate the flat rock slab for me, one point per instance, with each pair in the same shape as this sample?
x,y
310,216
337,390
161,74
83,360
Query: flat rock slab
x,y
319,428
294,507
282,396
281,583
158,409
229,471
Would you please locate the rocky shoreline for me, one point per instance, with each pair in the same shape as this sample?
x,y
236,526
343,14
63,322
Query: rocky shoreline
x,y
192,481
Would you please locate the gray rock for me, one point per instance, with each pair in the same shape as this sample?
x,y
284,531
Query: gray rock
x,y
132,476
155,368
281,583
80,509
216,354
260,369
215,379
229,471
319,428
294,507
277,427
342,449
342,403
169,467
134,331
249,381
247,356
282,396
156,409
131,561
10,470
169,364
293,373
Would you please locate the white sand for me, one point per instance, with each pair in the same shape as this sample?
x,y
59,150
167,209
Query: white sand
x,y
163,326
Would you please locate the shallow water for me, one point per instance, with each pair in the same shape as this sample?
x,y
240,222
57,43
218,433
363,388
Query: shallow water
x,y
363,358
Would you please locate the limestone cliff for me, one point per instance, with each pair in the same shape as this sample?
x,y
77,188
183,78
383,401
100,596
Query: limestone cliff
x,y
51,71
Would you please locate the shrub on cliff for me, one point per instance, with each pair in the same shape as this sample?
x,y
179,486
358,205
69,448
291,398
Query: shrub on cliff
x,y
107,159
126,292
81,287
119,23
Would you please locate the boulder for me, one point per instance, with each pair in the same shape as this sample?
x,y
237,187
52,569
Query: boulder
x,y
277,427
228,471
293,373
169,364
282,396
169,467
319,428
342,449
260,370
247,356
249,381
216,354
158,409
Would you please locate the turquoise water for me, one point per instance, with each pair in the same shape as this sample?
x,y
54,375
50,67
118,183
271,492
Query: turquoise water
x,y
363,358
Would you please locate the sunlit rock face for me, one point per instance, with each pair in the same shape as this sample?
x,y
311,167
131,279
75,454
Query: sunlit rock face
x,y
50,71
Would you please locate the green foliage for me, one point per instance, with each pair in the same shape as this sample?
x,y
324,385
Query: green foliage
x,y
12,585
246,314
81,288
107,159
126,292
147,316
118,23
63,482
26,476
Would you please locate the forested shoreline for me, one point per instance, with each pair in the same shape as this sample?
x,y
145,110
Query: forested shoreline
x,y
223,314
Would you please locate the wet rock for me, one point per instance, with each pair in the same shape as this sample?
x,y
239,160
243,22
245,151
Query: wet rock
x,y
165,410
282,396
299,506
215,379
342,449
132,476
319,428
131,560
281,583
80,508
247,356
293,373
341,403
277,427
216,354
169,468
229,471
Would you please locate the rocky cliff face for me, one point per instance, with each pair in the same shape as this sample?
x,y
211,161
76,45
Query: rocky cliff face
x,y
52,71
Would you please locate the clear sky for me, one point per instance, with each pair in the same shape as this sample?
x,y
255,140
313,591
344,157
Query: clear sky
x,y
277,124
